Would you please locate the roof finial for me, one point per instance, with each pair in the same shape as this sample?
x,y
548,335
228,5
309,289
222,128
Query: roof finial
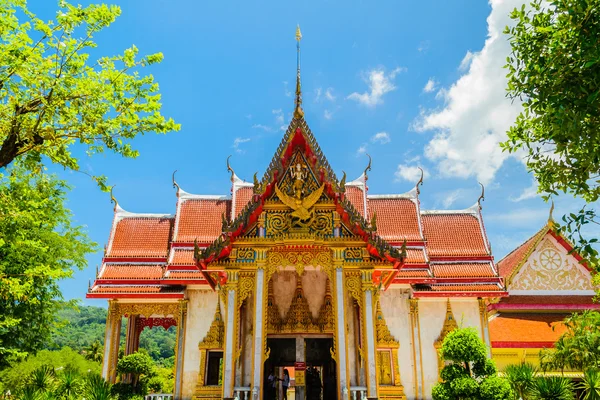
x,y
112,197
298,112
550,218
175,185
368,166
420,182
230,169
482,197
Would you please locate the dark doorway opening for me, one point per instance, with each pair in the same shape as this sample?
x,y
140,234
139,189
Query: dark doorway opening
x,y
282,354
321,379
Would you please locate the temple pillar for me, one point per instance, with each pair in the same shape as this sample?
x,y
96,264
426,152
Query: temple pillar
x,y
181,319
132,336
485,328
230,289
300,357
259,326
341,334
415,328
111,341
369,329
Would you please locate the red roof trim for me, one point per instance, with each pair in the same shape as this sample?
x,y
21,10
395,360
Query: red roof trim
x,y
134,259
182,267
460,294
569,248
139,281
522,345
408,244
134,296
460,258
543,306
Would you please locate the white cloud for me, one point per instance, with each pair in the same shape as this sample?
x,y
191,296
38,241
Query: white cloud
x,y
237,142
381,138
361,150
449,198
410,173
328,114
329,94
286,90
263,127
466,61
318,92
527,193
380,83
278,116
430,86
476,113
423,46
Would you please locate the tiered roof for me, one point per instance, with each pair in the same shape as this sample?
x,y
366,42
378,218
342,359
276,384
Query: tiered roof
x,y
436,253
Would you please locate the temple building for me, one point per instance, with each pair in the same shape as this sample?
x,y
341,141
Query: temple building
x,y
546,282
299,269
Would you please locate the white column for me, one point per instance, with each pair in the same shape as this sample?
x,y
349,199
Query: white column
x,y
228,368
416,350
111,343
370,338
258,330
181,327
342,362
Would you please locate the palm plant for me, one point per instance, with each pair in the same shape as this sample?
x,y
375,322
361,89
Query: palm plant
x,y
69,384
590,385
96,388
553,388
94,352
29,393
42,379
522,379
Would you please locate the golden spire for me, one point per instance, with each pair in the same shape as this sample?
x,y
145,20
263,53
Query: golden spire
x,y
298,112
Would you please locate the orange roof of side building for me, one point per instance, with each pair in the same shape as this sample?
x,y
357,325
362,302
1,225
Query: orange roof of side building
x,y
200,217
397,217
524,330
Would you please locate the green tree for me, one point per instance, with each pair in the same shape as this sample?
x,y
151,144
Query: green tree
x,y
54,96
579,347
39,246
553,388
522,379
96,388
469,373
94,352
141,368
554,68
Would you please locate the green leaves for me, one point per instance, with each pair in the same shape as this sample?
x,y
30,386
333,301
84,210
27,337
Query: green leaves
x,y
470,374
53,97
554,68
39,247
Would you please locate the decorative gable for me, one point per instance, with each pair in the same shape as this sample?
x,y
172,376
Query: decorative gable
x,y
550,267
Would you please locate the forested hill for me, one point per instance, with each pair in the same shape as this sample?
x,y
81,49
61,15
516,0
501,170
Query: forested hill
x,y
80,328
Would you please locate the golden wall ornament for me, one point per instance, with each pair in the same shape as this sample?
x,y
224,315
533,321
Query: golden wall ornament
x,y
449,325
215,336
245,287
354,287
298,258
384,336
148,309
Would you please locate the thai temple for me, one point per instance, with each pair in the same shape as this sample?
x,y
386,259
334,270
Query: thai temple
x,y
305,270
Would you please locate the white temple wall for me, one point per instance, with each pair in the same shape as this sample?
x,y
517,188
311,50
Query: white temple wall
x,y
202,305
395,307
432,313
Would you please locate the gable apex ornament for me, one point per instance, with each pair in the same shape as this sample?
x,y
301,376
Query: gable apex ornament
x,y
298,112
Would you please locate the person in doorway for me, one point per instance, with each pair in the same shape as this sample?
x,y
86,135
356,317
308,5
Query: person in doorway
x,y
285,382
271,385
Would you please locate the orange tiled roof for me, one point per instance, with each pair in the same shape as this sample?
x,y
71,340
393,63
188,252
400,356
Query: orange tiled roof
x,y
397,218
453,235
200,219
356,196
128,271
513,260
456,270
141,237
127,289
415,256
185,275
183,257
413,273
526,327
242,197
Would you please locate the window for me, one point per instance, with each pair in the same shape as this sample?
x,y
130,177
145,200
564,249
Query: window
x,y
214,368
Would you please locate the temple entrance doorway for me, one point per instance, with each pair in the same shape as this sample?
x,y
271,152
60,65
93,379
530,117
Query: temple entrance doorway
x,y
317,381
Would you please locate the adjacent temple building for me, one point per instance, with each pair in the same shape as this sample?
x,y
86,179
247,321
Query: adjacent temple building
x,y
304,269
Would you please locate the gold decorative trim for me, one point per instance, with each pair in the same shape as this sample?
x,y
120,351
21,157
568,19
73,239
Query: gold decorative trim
x,y
449,325
148,309
215,336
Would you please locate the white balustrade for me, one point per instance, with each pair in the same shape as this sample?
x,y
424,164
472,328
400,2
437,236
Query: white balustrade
x,y
242,393
159,396
358,392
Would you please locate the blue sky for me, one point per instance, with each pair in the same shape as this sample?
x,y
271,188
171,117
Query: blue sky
x,y
411,83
